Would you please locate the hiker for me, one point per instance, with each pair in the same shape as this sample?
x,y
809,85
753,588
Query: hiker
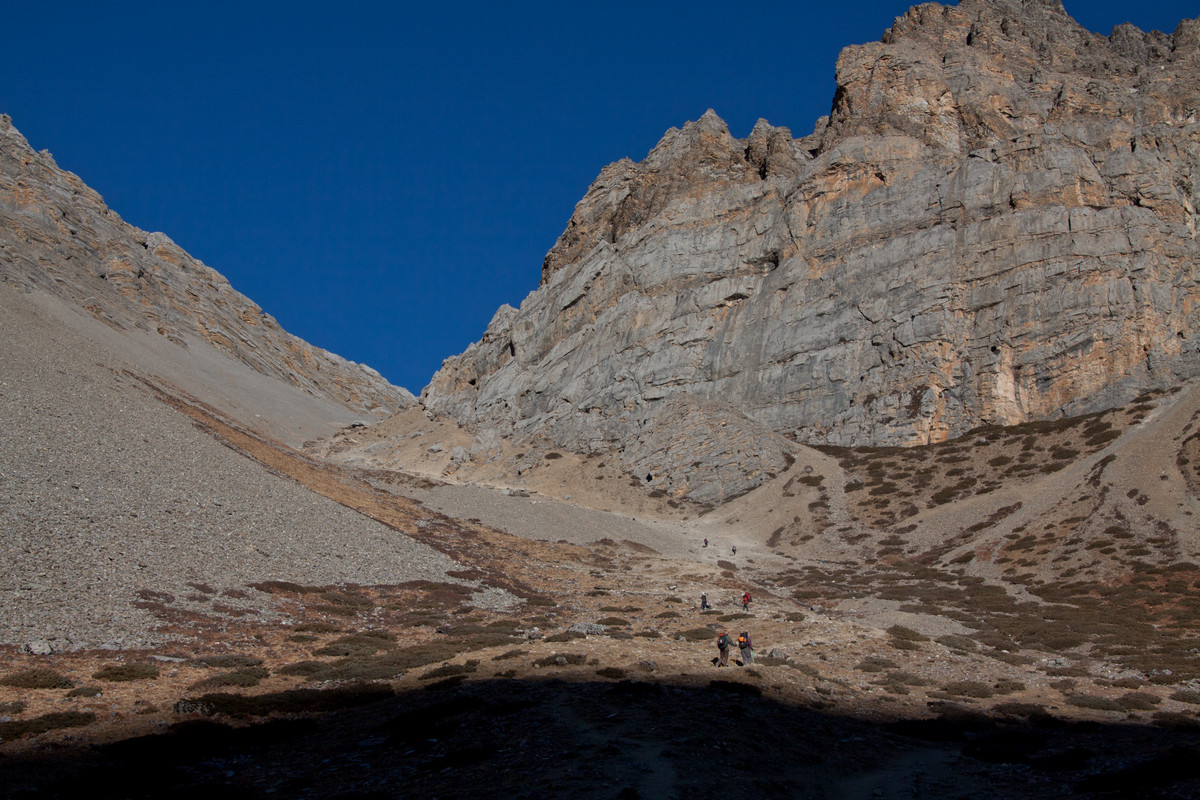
x,y
735,549
706,542
723,650
745,601
746,647
704,606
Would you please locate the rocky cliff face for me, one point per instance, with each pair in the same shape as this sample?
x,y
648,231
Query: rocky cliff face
x,y
58,236
996,223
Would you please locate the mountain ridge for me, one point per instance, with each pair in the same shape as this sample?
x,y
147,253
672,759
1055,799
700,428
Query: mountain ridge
x,y
60,242
995,224
191,603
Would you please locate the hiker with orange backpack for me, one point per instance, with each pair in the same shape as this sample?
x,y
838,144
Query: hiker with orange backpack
x,y
746,647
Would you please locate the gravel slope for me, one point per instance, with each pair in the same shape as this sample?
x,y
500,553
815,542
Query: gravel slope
x,y
105,492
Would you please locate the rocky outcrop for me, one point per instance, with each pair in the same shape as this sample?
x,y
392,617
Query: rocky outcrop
x,y
996,223
58,236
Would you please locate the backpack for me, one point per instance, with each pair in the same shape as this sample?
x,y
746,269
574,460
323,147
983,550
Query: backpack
x,y
722,642
743,641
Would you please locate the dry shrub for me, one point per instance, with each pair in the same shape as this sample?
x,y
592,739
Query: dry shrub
x,y
1015,709
667,615
284,587
86,691
611,622
561,660
245,677
40,678
390,663
46,722
968,689
294,701
1138,701
1176,720
906,634
15,706
1187,696
1094,702
906,678
956,642
697,634
450,670
615,673
515,653
359,644
304,669
120,673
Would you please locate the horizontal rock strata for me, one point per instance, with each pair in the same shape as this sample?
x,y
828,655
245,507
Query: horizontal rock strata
x,y
996,223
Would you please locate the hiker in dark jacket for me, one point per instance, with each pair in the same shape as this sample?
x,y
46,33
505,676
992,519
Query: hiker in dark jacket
x,y
723,648
746,647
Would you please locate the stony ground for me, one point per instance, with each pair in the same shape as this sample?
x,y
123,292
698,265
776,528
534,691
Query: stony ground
x,y
226,614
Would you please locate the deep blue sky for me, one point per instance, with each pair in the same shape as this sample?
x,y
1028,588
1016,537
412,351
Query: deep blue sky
x,y
382,176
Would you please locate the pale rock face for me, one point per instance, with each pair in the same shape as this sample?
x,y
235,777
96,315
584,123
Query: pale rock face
x,y
996,223
57,235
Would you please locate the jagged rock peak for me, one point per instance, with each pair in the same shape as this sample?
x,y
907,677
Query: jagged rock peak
x,y
701,156
997,223
986,71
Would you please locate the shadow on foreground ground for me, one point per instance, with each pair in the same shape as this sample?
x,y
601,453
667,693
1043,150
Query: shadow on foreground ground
x,y
627,739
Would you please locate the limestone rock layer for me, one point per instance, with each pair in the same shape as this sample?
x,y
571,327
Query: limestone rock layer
x,y
996,223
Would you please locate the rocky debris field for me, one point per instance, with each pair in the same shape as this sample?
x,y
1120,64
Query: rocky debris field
x,y
601,684
191,603
110,502
538,665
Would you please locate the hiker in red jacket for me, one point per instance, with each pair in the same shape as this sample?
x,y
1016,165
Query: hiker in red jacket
x,y
746,601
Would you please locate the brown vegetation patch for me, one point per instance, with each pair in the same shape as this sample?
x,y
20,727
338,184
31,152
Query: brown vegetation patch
x,y
294,701
244,677
38,678
978,462
120,673
46,722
